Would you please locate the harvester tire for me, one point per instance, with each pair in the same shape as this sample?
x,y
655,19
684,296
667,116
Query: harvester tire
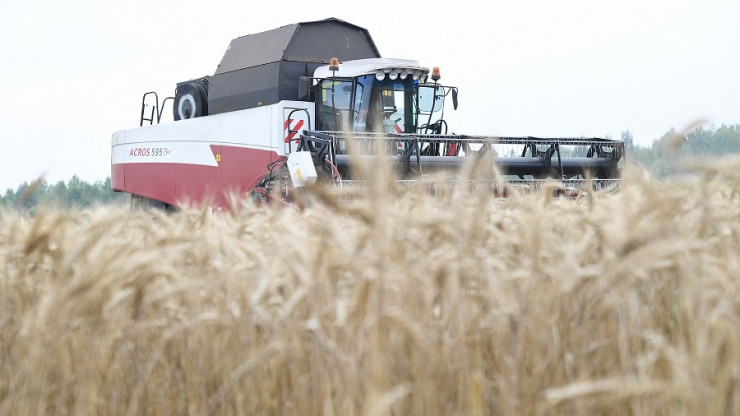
x,y
191,101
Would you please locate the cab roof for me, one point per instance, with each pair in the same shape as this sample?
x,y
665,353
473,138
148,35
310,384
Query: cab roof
x,y
351,69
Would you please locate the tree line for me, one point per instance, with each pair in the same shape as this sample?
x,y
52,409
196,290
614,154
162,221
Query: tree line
x,y
74,194
662,158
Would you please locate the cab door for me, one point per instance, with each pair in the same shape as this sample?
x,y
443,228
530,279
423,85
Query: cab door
x,y
431,107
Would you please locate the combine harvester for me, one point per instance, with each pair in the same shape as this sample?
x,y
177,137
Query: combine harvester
x,y
282,106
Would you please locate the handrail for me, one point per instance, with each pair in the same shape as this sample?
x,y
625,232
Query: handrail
x,y
156,109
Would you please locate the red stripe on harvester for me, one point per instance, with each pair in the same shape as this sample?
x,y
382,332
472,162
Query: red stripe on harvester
x,y
298,126
293,131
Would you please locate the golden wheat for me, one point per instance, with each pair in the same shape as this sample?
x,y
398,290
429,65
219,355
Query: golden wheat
x,y
625,304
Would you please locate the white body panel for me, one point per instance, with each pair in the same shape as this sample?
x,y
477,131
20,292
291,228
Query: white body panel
x,y
188,141
206,159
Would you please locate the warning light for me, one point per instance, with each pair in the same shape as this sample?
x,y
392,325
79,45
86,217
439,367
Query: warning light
x,y
435,74
334,64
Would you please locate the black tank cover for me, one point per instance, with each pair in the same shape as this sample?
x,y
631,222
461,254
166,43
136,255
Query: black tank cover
x,y
264,68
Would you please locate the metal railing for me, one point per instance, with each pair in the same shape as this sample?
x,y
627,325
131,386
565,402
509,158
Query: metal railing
x,y
156,110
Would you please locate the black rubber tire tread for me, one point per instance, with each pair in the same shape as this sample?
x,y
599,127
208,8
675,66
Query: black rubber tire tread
x,y
200,98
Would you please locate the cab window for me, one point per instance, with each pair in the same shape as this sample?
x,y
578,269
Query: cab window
x,y
334,99
431,106
385,106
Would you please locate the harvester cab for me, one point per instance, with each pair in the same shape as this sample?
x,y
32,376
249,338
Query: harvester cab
x,y
379,96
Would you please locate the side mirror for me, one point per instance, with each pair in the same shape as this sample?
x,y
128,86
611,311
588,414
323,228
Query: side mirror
x,y
454,98
303,88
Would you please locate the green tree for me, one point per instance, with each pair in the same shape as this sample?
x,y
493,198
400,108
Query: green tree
x,y
74,194
628,139
663,157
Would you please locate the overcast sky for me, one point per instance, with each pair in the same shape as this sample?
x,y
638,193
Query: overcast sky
x,y
73,72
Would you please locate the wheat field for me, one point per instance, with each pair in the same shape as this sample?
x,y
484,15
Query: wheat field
x,y
392,303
